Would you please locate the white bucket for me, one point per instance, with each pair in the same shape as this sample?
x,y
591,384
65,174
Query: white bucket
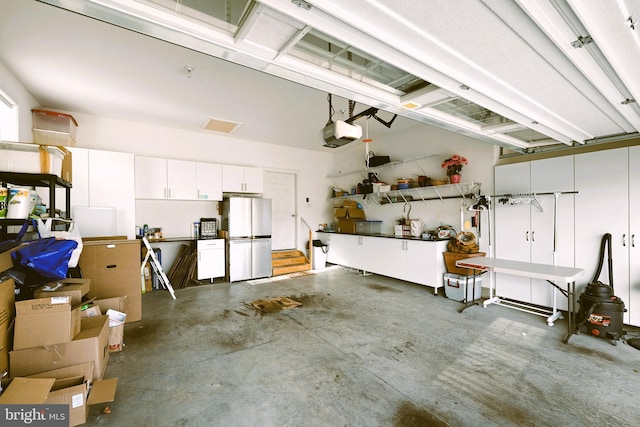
x,y
19,203
4,193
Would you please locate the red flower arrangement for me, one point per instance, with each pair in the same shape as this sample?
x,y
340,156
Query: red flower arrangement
x,y
454,164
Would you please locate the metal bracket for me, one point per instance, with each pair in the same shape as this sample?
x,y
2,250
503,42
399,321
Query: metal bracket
x,y
581,41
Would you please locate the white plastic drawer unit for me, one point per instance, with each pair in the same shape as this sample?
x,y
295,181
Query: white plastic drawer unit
x,y
211,258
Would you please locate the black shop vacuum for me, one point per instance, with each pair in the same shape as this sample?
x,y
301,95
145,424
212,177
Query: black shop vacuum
x,y
601,312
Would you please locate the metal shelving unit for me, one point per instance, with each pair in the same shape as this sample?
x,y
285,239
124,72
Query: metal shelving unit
x,y
34,180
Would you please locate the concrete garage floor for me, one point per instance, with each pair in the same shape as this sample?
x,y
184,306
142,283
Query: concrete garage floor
x,y
361,351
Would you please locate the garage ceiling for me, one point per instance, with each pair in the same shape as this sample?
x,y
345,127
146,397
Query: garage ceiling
x,y
524,74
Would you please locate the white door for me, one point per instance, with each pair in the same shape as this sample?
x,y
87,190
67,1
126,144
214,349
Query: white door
x,y
281,189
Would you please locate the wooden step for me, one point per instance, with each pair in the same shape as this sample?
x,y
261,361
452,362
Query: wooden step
x,y
290,261
287,269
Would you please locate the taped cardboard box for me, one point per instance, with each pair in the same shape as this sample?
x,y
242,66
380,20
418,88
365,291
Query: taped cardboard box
x,y
76,289
90,345
45,321
74,387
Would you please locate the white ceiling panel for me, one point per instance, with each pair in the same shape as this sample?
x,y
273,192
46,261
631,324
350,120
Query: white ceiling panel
x,y
514,60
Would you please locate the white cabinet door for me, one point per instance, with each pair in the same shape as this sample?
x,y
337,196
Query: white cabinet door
x,y
242,179
425,262
110,177
335,243
512,229
181,180
633,303
209,181
552,176
211,258
232,178
371,252
395,259
602,206
150,178
253,180
352,251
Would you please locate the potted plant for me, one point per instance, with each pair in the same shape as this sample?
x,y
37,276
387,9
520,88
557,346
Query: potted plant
x,y
454,165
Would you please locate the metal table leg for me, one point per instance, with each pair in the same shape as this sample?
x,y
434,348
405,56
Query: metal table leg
x,y
571,312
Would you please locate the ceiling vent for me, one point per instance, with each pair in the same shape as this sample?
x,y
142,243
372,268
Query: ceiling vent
x,y
222,126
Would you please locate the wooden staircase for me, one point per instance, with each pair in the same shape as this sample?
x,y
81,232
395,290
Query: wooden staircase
x,y
289,261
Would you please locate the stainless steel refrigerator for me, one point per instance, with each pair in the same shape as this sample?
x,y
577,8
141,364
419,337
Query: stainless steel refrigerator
x,y
248,222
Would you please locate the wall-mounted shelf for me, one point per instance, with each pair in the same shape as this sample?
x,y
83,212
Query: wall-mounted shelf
x,y
424,194
364,172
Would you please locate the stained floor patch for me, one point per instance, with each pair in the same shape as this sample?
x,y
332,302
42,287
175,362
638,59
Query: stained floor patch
x,y
382,288
409,415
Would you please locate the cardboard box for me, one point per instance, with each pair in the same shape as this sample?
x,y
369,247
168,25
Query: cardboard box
x,y
74,288
26,391
115,303
7,315
90,345
45,321
347,225
114,269
74,387
349,210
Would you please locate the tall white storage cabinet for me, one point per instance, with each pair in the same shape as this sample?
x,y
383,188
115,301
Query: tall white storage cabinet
x,y
103,179
607,202
525,232
633,304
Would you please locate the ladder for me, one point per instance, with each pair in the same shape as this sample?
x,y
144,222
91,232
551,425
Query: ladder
x,y
157,268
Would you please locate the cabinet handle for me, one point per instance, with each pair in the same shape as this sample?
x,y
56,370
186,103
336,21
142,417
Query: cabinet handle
x,y
533,236
633,240
526,237
624,240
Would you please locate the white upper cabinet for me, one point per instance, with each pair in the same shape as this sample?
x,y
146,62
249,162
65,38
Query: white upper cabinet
x,y
209,181
242,179
158,178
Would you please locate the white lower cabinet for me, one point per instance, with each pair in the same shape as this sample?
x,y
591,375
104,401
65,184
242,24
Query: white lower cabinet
x,y
211,258
415,261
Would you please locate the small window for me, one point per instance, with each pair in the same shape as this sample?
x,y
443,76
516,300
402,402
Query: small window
x,y
8,118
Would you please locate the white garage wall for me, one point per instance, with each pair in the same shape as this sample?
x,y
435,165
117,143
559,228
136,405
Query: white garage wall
x,y
415,142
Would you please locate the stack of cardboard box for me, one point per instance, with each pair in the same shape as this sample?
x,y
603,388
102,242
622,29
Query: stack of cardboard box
x,y
347,215
49,352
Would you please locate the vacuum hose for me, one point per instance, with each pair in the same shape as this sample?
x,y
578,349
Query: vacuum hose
x,y
606,240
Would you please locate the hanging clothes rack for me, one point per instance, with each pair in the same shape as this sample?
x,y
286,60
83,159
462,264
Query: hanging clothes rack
x,y
527,198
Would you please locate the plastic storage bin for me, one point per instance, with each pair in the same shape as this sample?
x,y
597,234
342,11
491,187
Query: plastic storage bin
x,y
368,227
53,128
458,287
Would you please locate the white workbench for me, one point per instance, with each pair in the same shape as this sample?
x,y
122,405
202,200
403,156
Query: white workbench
x,y
550,273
